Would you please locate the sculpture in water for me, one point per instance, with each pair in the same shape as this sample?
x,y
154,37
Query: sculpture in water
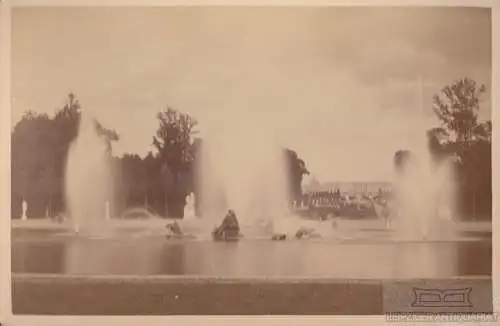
x,y
229,229
88,177
174,230
242,168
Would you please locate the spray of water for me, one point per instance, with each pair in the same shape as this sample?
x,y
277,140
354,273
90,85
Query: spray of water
x,y
242,169
88,177
424,194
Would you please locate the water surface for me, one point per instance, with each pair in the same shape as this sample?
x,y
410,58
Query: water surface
x,y
374,256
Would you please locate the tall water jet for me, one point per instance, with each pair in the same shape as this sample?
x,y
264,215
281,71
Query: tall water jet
x,y
88,178
242,169
424,192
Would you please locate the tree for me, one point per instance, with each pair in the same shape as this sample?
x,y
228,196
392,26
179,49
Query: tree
x,y
457,109
437,143
173,142
40,147
154,186
133,175
32,161
462,135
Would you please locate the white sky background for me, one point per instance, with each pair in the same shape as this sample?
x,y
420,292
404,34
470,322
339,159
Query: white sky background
x,y
338,85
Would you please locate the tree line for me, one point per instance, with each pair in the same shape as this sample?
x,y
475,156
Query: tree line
x,y
160,181
463,137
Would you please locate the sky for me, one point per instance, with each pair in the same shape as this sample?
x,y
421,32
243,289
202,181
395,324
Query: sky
x,y
344,87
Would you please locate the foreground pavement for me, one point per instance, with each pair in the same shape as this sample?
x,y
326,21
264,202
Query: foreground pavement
x,y
111,295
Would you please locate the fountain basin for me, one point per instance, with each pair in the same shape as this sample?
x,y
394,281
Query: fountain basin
x,y
118,295
136,270
129,254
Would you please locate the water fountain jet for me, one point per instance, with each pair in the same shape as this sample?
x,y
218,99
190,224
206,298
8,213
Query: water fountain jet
x,y
424,195
242,168
88,181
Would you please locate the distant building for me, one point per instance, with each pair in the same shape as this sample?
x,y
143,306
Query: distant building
x,y
348,187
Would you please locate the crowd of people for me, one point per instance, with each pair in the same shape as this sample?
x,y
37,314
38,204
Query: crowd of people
x,y
337,203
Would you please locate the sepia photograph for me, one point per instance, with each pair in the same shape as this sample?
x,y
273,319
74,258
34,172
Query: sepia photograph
x,y
251,160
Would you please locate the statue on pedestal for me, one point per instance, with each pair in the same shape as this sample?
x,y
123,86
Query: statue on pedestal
x,y
189,208
24,210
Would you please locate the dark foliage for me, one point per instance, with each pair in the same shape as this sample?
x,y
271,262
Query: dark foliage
x,y
159,182
39,147
462,136
296,169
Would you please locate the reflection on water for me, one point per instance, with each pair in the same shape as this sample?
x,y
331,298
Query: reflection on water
x,y
171,260
111,257
251,258
45,257
476,259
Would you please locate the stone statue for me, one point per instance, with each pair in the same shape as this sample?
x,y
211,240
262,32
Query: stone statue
x,y
174,230
189,209
307,233
24,210
279,237
229,229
